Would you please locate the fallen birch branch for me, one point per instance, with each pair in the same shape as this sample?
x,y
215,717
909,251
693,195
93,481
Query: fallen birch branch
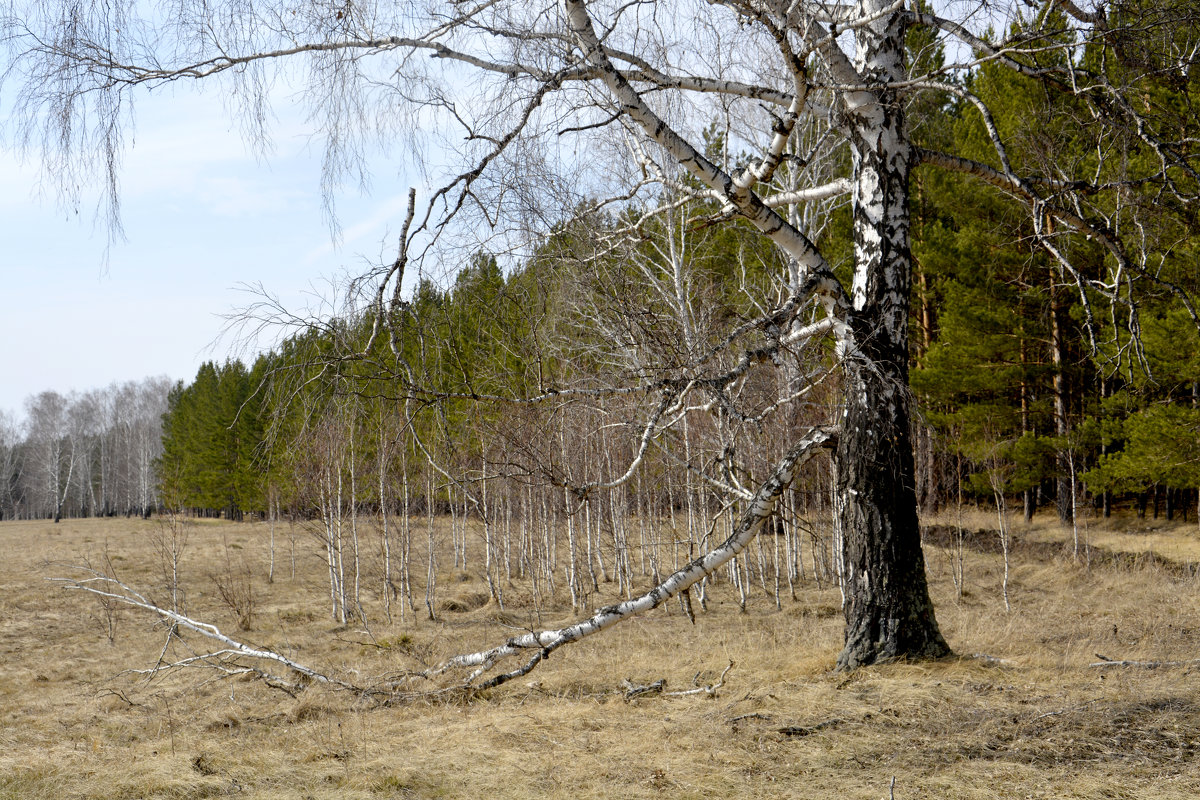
x,y
111,588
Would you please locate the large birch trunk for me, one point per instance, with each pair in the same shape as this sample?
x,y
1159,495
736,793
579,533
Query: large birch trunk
x,y
886,600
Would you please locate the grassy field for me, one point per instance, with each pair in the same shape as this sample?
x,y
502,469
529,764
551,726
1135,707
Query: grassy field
x,y
1031,719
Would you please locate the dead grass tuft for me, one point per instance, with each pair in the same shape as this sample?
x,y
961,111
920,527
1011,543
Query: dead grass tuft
x,y
466,601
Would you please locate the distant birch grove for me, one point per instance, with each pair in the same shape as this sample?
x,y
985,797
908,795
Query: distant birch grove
x,y
85,454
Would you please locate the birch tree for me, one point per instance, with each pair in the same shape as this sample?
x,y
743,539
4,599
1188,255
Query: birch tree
x,y
51,451
569,108
10,467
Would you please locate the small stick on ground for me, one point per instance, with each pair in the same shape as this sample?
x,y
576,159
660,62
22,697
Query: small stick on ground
x,y
710,689
1108,662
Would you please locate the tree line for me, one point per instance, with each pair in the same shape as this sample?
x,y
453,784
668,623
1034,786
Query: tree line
x,y
85,454
323,430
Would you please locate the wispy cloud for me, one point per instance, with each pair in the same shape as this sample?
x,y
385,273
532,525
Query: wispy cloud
x,y
378,223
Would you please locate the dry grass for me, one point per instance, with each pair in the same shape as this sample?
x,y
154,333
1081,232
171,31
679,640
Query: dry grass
x,y
1040,724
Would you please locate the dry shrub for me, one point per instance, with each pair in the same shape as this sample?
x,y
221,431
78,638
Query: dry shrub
x,y
110,609
234,583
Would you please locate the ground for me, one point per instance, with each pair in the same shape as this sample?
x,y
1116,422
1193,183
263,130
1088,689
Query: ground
x,y
1019,712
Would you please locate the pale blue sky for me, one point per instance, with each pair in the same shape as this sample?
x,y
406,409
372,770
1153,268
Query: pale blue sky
x,y
201,215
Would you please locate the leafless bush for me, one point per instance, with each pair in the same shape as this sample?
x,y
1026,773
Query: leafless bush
x,y
235,586
110,607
